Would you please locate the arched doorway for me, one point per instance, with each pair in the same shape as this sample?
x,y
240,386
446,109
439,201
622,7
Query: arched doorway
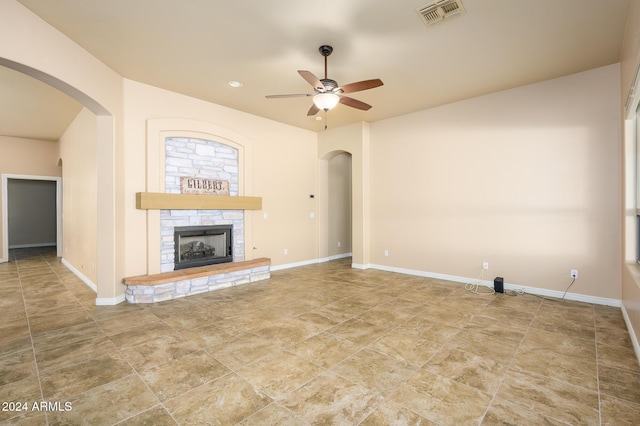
x,y
108,287
340,216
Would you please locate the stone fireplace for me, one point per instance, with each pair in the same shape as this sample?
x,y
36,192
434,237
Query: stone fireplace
x,y
191,157
202,245
174,212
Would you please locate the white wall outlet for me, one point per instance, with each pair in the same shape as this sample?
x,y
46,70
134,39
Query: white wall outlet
x,y
485,265
339,243
386,252
286,251
265,215
312,215
574,273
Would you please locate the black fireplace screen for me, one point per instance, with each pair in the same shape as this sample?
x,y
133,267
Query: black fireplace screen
x,y
202,245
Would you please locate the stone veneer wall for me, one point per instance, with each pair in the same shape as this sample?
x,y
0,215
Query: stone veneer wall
x,y
190,157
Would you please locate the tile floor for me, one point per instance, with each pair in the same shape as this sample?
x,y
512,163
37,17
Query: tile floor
x,y
320,344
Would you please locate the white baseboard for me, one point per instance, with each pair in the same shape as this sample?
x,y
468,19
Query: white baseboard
x,y
531,290
80,275
100,301
20,246
632,333
293,265
334,257
110,301
309,262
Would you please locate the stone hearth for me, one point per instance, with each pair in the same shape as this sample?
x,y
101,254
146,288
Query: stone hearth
x,y
187,282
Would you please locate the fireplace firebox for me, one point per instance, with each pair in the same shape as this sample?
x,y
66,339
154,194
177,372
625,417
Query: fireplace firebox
x,y
202,245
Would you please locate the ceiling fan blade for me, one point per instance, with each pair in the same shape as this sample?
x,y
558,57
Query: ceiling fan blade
x,y
354,103
312,80
295,95
313,110
361,85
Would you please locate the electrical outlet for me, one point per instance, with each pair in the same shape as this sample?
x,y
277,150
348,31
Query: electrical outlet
x,y
485,265
286,251
574,273
386,252
339,243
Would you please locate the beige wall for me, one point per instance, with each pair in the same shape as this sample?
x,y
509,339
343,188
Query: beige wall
x,y
27,157
527,179
79,195
280,167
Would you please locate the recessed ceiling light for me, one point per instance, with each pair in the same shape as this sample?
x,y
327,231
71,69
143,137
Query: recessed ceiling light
x,y
318,118
234,83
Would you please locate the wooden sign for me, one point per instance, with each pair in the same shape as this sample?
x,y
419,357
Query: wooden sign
x,y
190,185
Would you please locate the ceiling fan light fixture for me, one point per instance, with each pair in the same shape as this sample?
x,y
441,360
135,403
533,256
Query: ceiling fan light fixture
x,y
326,101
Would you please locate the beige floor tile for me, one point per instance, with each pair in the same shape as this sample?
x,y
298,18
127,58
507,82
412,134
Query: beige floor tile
x,y
158,351
503,412
141,334
618,357
126,320
484,345
390,413
579,371
14,344
279,375
274,414
107,404
619,412
332,400
183,374
155,416
48,323
24,391
324,349
17,366
560,343
244,349
73,353
358,331
66,336
453,316
484,374
209,335
227,400
483,324
442,400
374,370
551,398
618,383
508,316
61,384
406,347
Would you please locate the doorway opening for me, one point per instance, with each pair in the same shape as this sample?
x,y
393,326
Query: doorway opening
x,y
22,204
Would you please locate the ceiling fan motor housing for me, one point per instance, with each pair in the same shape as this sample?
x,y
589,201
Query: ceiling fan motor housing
x,y
330,85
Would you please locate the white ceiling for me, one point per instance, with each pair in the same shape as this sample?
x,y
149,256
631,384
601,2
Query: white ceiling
x,y
196,47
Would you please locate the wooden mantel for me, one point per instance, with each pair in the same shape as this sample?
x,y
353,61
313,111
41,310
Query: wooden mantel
x,y
162,201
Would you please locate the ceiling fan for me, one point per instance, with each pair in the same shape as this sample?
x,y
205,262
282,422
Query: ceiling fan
x,y
327,93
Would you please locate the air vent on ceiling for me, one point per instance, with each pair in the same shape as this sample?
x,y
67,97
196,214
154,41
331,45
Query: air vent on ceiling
x,y
439,11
